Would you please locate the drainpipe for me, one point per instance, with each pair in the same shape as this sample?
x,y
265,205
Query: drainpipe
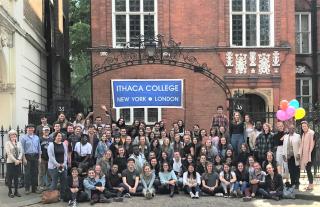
x,y
314,39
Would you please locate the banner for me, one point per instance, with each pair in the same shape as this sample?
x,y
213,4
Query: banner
x,y
164,93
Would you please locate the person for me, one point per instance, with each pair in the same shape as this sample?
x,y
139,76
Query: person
x,y
278,137
211,149
101,147
57,164
244,153
44,123
177,145
269,160
228,179
291,144
218,165
75,190
168,180
263,143
14,152
273,187
192,181
100,177
220,119
32,152
237,132
177,166
166,147
201,165
82,153
43,165
94,188
56,129
249,129
195,132
93,140
147,178
242,182
214,136
130,179
139,158
187,146
106,162
62,120
210,182
257,180
223,147
121,159
113,181
306,151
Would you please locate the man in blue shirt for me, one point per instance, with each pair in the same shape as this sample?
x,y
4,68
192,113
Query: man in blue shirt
x,y
32,152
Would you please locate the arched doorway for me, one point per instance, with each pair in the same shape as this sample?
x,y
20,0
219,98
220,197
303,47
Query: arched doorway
x,y
255,107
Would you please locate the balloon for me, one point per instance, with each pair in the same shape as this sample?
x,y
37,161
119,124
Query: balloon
x,y
300,113
281,115
294,103
284,104
290,112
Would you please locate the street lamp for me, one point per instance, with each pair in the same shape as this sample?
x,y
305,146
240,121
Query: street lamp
x,y
150,47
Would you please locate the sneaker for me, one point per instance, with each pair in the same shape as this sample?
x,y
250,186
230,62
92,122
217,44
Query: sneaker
x,y
276,198
70,203
148,195
127,195
234,194
103,199
118,199
246,199
219,194
192,195
225,195
75,204
171,194
253,195
197,195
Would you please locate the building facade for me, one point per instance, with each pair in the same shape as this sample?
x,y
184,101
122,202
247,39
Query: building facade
x,y
238,44
307,52
31,76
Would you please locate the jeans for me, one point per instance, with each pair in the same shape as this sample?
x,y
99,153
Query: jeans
x,y
309,173
13,172
166,188
242,186
236,141
227,188
192,189
294,171
218,189
62,176
31,172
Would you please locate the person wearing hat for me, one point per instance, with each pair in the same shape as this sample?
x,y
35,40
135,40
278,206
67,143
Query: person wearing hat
x,y
32,151
43,178
14,153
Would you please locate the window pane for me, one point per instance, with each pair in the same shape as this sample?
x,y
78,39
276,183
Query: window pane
x,y
120,5
134,29
138,113
236,5
120,30
125,113
305,90
305,42
297,23
134,5
304,23
306,102
251,30
298,87
251,5
237,30
148,5
265,5
264,30
298,36
149,26
152,115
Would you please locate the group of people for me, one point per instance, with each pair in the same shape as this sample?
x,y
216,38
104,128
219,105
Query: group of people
x,y
101,162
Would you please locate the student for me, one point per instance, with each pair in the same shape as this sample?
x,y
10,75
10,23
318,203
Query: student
x,y
138,157
177,166
270,160
75,190
101,148
83,151
94,188
201,166
113,187
244,153
237,132
263,143
210,182
43,177
121,159
147,179
273,185
242,182
218,167
227,178
168,180
191,181
106,162
130,180
257,180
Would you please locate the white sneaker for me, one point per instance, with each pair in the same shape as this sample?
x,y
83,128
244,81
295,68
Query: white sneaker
x,y
219,194
192,195
197,195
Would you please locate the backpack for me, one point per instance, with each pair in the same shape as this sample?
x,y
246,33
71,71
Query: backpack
x,y
289,192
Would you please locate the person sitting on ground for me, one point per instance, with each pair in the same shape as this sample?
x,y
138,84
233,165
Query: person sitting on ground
x,y
147,179
201,165
273,187
227,178
113,181
191,181
210,182
130,180
242,180
177,166
270,159
168,180
83,150
257,180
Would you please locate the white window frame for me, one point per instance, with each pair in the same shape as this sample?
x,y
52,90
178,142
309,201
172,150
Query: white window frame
x,y
145,115
258,13
301,79
309,26
127,13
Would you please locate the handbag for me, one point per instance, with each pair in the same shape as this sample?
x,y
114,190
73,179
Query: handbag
x,y
50,196
289,192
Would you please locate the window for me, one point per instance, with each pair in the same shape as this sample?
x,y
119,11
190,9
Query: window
x,y
303,33
148,115
252,23
132,18
304,92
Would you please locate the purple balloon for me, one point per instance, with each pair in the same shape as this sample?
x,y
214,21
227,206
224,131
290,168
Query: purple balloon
x,y
281,115
290,112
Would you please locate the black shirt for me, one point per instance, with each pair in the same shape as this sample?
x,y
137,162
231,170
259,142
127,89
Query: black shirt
x,y
277,137
114,180
237,128
121,162
44,143
131,176
59,152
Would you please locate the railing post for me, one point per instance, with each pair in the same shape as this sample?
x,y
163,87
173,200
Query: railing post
x,y
2,159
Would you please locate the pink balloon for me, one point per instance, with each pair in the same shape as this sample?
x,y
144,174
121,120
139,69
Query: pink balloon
x,y
290,112
281,115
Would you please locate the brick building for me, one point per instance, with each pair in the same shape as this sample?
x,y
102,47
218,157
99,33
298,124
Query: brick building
x,y
246,45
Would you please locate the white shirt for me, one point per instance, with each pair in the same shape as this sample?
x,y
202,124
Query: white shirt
x,y
83,150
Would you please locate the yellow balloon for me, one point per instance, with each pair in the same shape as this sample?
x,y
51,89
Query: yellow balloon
x,y
300,113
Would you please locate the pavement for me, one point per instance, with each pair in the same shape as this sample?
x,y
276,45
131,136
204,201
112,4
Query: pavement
x,y
303,198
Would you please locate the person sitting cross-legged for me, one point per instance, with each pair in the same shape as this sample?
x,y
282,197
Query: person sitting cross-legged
x,y
228,179
210,182
130,180
191,181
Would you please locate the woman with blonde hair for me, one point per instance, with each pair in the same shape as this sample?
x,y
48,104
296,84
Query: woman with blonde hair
x,y
237,132
14,153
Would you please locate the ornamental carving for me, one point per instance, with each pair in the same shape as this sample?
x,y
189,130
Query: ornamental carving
x,y
241,63
301,69
229,59
253,59
276,59
264,63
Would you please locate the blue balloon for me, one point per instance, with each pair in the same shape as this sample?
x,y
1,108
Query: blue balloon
x,y
294,103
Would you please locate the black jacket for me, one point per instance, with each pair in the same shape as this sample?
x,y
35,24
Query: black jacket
x,y
242,176
274,185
